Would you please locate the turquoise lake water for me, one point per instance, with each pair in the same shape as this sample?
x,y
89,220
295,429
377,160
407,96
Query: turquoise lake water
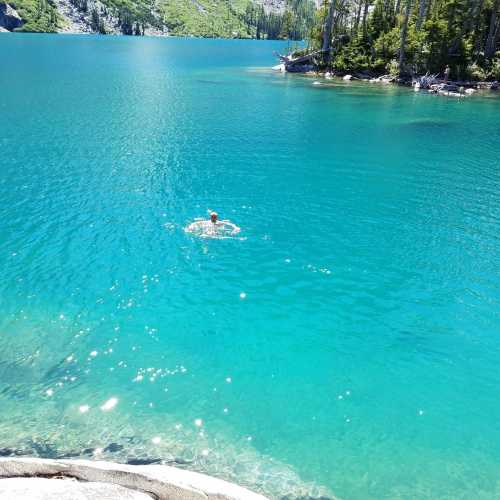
x,y
348,345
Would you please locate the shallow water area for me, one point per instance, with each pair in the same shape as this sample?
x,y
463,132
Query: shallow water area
x,y
347,346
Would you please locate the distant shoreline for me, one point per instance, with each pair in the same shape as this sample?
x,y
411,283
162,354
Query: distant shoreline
x,y
146,35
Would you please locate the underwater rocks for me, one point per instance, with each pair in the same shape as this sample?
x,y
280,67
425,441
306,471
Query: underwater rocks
x,y
44,449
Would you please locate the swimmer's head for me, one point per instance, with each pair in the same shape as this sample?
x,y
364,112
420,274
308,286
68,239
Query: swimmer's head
x,y
213,217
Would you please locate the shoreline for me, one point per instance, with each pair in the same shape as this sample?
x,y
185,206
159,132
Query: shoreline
x,y
146,35
449,88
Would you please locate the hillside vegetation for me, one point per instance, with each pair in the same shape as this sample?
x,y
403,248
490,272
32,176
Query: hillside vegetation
x,y
207,18
38,15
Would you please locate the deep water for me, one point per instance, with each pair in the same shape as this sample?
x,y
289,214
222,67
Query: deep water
x,y
348,345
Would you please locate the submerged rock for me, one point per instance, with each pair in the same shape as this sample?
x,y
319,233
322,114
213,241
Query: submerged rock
x,y
143,461
113,448
426,123
7,452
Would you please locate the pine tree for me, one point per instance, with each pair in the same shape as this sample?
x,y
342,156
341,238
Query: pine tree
x,y
402,36
95,21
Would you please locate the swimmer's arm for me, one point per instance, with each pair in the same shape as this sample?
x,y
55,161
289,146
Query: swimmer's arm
x,y
192,226
235,228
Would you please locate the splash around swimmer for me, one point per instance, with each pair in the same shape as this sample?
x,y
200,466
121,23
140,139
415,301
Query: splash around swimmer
x,y
213,228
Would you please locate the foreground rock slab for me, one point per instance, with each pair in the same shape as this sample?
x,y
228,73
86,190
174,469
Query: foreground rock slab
x,y
38,488
40,479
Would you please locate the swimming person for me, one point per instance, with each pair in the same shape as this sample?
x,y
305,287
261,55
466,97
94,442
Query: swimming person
x,y
213,228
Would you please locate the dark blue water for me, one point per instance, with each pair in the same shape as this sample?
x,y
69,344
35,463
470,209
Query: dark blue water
x,y
362,360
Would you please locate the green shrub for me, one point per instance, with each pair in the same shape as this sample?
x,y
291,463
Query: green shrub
x,y
38,15
494,71
392,67
475,72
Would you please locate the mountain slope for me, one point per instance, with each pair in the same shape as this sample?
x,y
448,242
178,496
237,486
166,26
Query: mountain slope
x,y
33,15
207,18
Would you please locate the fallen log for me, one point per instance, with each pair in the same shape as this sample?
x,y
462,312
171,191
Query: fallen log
x,y
303,63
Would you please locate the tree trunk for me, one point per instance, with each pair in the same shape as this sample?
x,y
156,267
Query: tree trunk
x,y
327,33
477,29
467,26
358,17
339,18
397,8
404,32
387,13
421,14
491,40
472,20
365,17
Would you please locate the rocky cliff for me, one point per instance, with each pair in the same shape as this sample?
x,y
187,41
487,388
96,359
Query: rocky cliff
x,y
9,18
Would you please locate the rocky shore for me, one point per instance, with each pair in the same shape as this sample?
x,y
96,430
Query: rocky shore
x,y
44,479
436,86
